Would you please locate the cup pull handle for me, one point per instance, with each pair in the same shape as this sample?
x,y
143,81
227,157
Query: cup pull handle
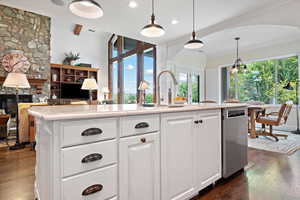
x,y
92,158
142,125
92,189
92,131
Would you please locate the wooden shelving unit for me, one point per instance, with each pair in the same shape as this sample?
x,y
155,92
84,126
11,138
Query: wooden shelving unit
x,y
68,74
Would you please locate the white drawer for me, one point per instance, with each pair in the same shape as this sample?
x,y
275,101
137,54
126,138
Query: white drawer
x,y
87,157
104,180
139,124
86,131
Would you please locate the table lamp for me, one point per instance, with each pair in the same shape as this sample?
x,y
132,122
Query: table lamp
x,y
105,91
16,80
90,84
144,85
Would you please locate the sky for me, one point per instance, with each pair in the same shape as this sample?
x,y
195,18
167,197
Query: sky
x,y
130,74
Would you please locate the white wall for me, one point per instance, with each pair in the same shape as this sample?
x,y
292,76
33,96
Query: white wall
x,y
212,84
91,46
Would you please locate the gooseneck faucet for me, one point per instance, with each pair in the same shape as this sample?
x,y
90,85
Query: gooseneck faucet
x,y
158,84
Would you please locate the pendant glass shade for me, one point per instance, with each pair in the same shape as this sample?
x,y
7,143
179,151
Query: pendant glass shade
x,y
153,30
234,70
89,9
238,63
194,43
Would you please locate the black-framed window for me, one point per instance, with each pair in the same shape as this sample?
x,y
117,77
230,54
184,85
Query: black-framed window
x,y
130,62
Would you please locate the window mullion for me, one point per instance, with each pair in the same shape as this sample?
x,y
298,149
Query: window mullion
x,y
120,71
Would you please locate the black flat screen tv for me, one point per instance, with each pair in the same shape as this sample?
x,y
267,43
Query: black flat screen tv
x,y
73,91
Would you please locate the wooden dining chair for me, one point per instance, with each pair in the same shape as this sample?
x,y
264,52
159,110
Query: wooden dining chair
x,y
274,119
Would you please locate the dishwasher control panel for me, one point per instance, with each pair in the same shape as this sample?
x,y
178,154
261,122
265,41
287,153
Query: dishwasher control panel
x,y
235,113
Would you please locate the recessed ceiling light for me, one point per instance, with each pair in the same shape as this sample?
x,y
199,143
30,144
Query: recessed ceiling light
x,y
174,21
132,4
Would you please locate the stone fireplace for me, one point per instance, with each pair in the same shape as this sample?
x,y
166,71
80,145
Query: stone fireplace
x,y
30,33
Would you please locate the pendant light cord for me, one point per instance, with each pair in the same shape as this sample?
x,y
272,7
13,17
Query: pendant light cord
x,y
152,7
152,16
193,15
237,49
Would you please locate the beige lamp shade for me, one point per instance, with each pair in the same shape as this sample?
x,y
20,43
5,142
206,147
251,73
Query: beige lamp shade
x,y
105,90
16,80
144,85
89,84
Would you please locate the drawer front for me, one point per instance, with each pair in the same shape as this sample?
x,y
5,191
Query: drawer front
x,y
86,131
87,157
95,185
139,124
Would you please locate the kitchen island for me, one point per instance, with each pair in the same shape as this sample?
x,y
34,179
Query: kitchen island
x,y
127,152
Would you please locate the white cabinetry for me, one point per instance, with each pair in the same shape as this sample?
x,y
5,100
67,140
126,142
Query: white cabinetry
x,y
140,167
167,156
177,130
207,148
191,152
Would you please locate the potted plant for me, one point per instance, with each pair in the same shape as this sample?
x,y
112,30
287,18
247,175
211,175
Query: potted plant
x,y
71,58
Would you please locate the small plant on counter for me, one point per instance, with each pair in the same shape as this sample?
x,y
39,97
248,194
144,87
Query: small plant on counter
x,y
70,58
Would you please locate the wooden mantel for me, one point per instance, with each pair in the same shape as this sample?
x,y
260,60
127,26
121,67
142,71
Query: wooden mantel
x,y
38,83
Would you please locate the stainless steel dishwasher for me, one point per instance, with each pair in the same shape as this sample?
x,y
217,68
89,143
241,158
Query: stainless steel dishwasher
x,y
234,140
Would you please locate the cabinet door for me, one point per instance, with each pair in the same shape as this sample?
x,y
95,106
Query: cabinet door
x,y
177,156
208,148
140,167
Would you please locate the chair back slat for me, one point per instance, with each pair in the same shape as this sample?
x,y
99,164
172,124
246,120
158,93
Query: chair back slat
x,y
284,112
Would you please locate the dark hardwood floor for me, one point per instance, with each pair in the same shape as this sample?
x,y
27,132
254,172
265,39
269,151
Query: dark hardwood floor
x,y
272,177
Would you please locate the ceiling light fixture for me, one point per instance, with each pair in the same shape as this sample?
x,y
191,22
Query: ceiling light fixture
x,y
89,9
194,43
174,21
153,30
132,4
238,63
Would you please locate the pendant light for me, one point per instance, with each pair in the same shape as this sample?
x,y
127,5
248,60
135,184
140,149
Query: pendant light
x,y
153,30
89,9
194,43
238,63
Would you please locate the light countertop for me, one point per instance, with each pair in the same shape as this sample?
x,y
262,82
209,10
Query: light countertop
x,y
115,110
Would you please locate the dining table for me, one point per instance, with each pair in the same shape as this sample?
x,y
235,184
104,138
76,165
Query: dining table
x,y
253,111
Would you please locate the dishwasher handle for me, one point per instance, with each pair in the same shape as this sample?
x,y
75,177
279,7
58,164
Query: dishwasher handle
x,y
235,113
